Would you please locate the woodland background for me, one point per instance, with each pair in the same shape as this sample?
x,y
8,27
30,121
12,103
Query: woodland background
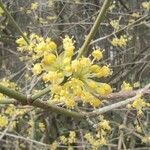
x,y
55,19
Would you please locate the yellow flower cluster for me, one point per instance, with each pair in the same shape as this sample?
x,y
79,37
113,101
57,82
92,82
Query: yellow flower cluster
x,y
104,89
7,83
37,69
68,140
126,86
8,112
120,42
11,110
100,138
104,125
135,14
115,24
146,139
146,5
94,141
21,42
77,75
97,54
99,72
3,121
65,140
136,85
34,6
68,45
138,104
38,45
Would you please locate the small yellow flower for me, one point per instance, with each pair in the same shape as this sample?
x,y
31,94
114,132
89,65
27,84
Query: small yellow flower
x,y
104,89
51,17
10,110
92,84
3,121
136,85
126,86
72,137
95,102
104,124
146,5
89,137
34,6
37,69
97,54
115,24
42,126
121,42
136,15
63,139
21,42
69,53
75,65
54,77
68,43
51,45
40,46
48,58
129,106
70,103
85,62
103,72
146,139
94,68
139,103
42,20
66,60
46,77
34,36
68,70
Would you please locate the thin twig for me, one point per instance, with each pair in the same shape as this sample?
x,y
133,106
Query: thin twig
x,y
119,104
25,139
120,30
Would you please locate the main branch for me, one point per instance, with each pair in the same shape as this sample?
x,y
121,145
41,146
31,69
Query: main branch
x,y
37,103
